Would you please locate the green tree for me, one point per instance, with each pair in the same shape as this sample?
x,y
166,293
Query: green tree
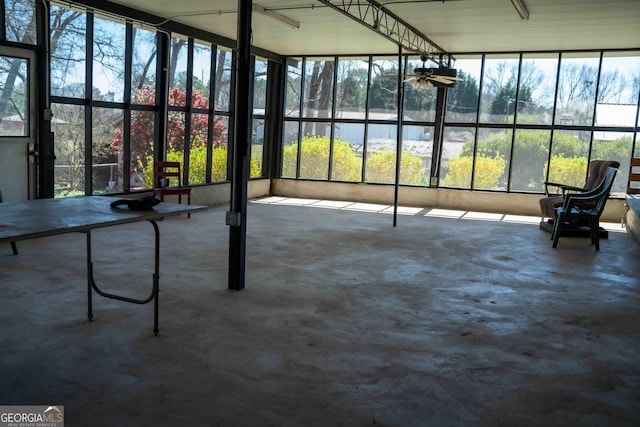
x,y
382,95
530,145
351,91
142,134
463,97
418,100
505,100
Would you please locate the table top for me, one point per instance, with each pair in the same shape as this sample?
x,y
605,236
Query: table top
x,y
46,217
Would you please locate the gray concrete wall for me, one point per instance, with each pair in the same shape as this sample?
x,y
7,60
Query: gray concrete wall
x,y
441,198
481,201
217,194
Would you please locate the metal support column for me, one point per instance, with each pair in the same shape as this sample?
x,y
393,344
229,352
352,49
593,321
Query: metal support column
x,y
236,217
399,139
441,103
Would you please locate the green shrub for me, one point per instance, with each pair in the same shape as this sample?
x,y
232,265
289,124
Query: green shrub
x,y
487,174
569,171
381,167
198,165
314,159
347,166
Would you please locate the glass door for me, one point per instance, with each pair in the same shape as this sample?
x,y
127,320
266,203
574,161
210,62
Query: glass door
x,y
17,124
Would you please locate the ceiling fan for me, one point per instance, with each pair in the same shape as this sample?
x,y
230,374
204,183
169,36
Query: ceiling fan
x,y
424,77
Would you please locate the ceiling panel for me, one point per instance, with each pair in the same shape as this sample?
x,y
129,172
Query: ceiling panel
x,y
455,25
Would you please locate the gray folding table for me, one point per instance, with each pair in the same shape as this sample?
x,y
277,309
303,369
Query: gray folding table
x,y
48,217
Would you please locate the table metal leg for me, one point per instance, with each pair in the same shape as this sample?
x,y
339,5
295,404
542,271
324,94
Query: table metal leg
x,y
92,286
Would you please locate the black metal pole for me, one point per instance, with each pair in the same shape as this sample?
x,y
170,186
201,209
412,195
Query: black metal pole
x,y
398,140
236,217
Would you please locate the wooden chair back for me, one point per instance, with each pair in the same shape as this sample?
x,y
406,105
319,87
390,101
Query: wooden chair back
x,y
168,170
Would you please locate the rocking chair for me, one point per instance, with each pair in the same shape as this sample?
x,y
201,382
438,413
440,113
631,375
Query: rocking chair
x,y
586,207
548,204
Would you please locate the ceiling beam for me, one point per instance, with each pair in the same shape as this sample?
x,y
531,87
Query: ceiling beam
x,y
374,16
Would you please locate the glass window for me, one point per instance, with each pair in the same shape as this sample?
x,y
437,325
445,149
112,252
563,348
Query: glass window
x,y
618,89
537,87
175,137
348,142
462,99
141,140
318,88
14,96
201,75
499,80
382,141
290,149
614,146
569,157
178,72
257,144
67,52
198,148
108,60
294,87
260,86
529,164
21,25
417,142
219,150
383,93
223,80
68,125
351,90
143,69
457,157
314,151
482,147
492,158
104,162
577,89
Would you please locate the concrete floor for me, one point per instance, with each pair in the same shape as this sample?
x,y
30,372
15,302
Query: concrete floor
x,y
345,321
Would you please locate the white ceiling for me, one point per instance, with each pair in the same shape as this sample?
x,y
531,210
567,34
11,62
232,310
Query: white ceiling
x,y
455,25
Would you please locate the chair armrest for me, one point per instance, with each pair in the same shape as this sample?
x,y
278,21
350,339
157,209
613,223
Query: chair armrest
x,y
570,188
563,187
582,201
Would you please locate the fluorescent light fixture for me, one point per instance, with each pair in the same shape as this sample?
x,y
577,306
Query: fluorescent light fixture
x,y
276,16
521,8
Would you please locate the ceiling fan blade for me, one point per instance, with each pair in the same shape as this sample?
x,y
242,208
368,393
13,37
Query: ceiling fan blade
x,y
441,79
444,79
410,79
